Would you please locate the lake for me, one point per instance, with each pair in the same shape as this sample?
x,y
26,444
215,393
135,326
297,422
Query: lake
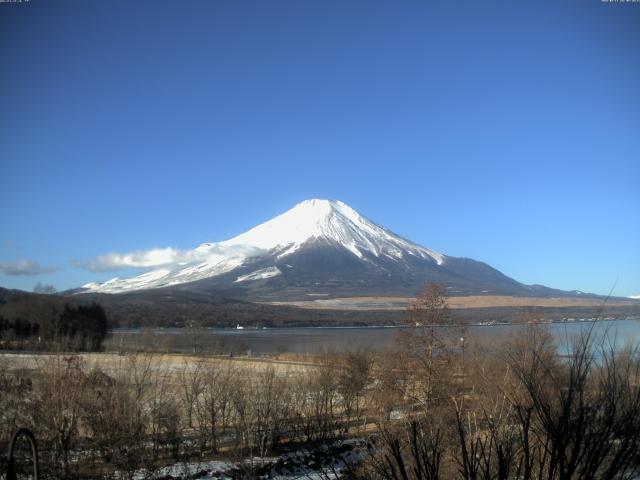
x,y
302,340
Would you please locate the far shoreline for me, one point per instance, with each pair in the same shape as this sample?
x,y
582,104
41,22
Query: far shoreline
x,y
247,329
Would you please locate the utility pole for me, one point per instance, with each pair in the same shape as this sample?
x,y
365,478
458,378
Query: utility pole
x,y
462,339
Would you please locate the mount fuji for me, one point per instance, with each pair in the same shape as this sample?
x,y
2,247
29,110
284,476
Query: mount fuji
x,y
319,248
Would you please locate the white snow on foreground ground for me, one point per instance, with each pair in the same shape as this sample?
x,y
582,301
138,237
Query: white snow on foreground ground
x,y
326,462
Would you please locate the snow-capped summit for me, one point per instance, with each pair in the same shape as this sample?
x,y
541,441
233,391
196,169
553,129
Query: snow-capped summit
x,y
317,246
329,220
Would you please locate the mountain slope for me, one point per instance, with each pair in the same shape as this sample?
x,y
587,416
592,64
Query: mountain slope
x,y
319,248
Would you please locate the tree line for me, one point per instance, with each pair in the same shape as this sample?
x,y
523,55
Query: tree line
x,y
44,322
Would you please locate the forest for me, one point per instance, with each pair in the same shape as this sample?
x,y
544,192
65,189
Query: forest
x,y
47,322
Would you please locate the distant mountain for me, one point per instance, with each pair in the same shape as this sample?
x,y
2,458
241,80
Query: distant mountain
x,y
320,248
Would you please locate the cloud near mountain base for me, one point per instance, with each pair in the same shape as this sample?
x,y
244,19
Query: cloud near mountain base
x,y
161,257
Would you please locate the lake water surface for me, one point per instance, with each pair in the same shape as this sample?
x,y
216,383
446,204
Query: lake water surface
x,y
303,340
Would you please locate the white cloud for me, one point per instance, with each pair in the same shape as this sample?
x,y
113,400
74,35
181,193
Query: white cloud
x,y
24,267
136,259
161,257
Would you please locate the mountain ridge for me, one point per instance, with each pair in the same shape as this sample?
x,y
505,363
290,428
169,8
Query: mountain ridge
x,y
320,247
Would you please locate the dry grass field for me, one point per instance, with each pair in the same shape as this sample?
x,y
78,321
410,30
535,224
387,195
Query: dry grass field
x,y
112,363
477,301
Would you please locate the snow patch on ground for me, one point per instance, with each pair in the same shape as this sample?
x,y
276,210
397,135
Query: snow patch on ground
x,y
325,462
259,274
164,277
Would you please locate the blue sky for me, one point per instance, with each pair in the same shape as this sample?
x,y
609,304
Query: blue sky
x,y
508,132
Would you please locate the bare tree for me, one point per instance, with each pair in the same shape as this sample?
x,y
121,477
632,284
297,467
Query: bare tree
x,y
213,404
353,378
44,288
584,412
114,423
272,402
194,332
191,380
57,410
388,394
426,342
412,450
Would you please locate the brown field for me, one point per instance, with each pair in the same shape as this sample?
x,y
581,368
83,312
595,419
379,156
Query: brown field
x,y
477,301
112,362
